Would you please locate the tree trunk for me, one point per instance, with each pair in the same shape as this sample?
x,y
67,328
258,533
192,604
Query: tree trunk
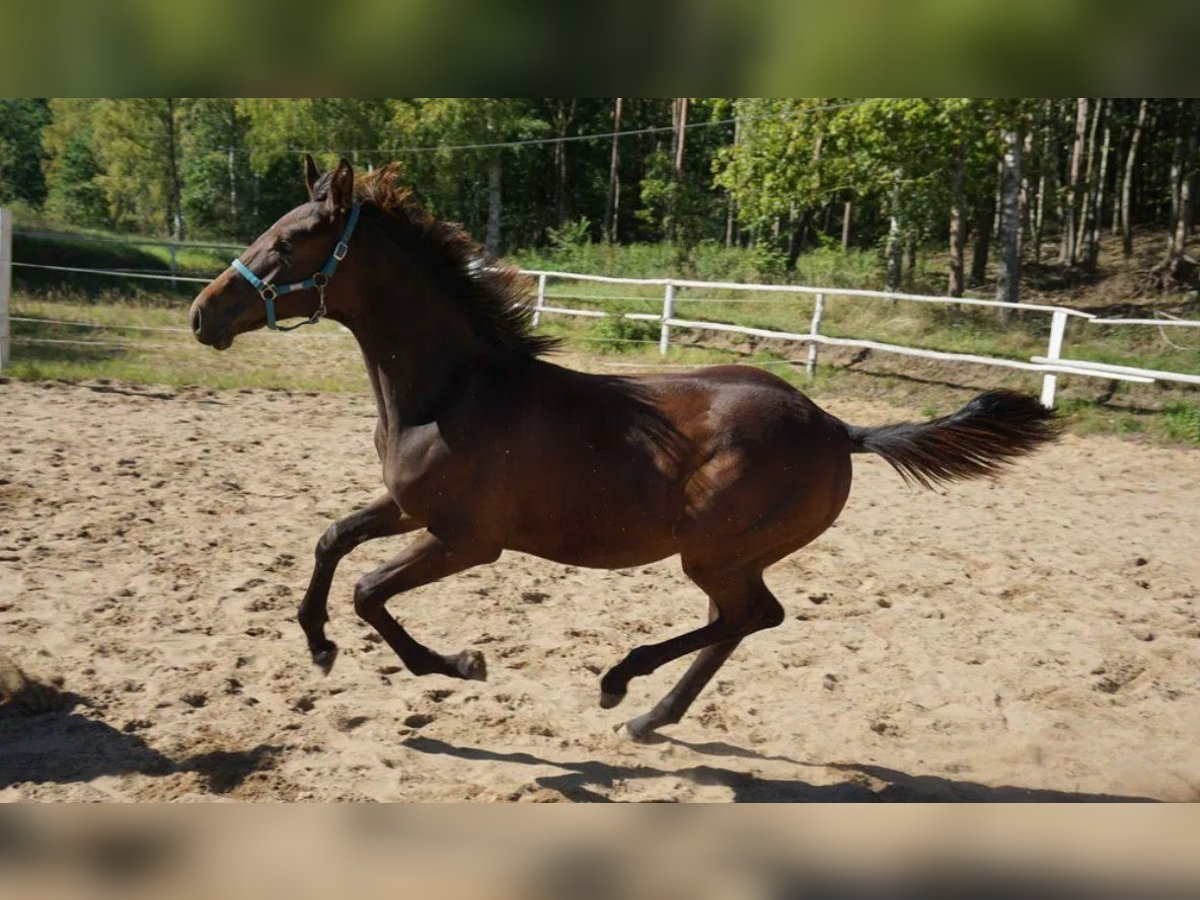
x,y
563,114
679,111
895,246
847,215
1046,167
1127,186
1024,203
1087,211
1181,228
681,136
983,239
175,190
611,207
1178,178
1067,253
1008,285
1093,245
1085,191
956,222
495,205
731,237
796,238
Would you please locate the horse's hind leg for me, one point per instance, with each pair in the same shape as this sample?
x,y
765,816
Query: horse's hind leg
x,y
379,519
670,709
740,604
427,559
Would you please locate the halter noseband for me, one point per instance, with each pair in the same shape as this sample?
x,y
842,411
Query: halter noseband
x,y
318,280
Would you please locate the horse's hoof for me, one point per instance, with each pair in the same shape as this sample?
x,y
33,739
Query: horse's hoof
x,y
324,658
639,731
608,701
471,665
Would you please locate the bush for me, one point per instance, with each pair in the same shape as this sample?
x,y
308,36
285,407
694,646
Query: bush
x,y
706,261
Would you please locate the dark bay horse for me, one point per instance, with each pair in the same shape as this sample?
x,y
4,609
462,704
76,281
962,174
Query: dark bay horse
x,y
487,447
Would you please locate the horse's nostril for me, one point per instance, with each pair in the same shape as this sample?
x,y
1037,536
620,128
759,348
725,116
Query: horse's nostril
x,y
196,320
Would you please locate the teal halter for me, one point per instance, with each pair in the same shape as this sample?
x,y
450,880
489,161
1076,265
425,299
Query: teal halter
x,y
269,291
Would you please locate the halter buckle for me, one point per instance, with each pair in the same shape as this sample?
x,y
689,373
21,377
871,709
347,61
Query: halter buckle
x,y
340,251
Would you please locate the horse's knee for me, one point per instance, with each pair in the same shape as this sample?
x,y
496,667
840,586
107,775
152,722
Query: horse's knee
x,y
328,542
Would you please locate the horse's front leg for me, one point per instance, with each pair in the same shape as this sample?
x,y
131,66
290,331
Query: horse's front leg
x,y
380,519
427,559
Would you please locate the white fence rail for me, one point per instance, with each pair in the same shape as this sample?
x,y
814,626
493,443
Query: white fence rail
x,y
1050,366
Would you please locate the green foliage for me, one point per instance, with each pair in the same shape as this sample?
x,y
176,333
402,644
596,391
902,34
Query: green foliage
x,y
21,124
616,334
1181,422
569,235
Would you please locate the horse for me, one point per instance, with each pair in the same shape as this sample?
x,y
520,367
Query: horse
x,y
486,446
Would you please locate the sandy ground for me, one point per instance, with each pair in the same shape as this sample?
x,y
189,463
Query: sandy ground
x,y
1036,638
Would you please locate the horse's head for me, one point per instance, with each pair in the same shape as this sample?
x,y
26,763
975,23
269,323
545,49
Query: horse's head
x,y
286,268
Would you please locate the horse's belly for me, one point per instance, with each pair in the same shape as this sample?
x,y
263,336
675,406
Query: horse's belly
x,y
597,551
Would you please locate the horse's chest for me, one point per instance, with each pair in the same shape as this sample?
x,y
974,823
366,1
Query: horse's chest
x,y
420,471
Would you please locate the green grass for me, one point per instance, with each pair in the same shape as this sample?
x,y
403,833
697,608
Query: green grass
x,y
323,358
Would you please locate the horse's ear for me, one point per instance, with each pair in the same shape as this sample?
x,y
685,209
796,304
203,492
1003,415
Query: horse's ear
x,y
311,173
341,186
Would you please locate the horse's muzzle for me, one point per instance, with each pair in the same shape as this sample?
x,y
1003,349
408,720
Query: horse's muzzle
x,y
220,340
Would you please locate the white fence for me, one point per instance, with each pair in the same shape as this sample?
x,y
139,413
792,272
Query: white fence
x,y
1050,366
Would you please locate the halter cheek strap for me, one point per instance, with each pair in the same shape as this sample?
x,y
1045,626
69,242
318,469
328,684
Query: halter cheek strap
x,y
318,280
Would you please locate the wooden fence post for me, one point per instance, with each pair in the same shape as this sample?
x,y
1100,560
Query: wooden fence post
x,y
1058,327
5,282
664,337
818,310
541,300
173,269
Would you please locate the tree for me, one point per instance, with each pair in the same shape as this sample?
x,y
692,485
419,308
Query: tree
x,y
132,156
456,180
21,124
218,183
1127,182
1177,265
73,191
1068,252
612,205
1008,284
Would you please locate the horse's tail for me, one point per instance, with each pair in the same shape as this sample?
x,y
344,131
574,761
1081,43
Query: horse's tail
x,y
977,441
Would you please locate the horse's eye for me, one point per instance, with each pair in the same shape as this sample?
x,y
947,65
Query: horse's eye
x,y
283,247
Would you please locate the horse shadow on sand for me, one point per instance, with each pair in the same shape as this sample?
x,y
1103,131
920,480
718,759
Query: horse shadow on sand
x,y
64,746
584,780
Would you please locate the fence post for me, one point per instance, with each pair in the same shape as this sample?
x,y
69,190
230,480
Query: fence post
x,y
818,309
5,282
664,338
173,283
1058,327
541,300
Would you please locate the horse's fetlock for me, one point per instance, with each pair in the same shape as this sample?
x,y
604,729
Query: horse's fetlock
x,y
772,617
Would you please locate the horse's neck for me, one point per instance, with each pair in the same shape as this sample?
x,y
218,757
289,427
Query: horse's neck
x,y
410,363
